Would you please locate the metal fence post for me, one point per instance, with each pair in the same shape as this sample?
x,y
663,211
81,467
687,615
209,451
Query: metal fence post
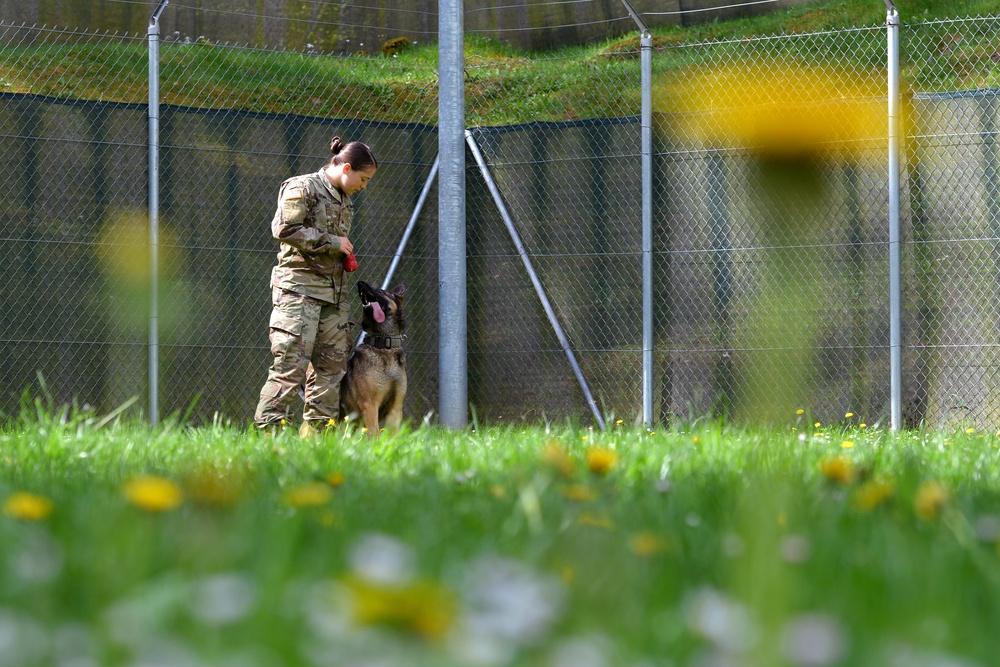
x,y
646,43
153,37
646,75
453,376
895,307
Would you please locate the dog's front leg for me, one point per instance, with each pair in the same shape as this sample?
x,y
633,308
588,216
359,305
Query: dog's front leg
x,y
369,416
394,416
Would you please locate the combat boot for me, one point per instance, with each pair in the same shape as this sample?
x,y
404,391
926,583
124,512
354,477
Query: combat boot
x,y
312,427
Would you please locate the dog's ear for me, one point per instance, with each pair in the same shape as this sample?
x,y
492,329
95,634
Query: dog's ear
x,y
399,290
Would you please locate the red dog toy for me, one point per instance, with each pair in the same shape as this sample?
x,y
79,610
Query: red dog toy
x,y
350,263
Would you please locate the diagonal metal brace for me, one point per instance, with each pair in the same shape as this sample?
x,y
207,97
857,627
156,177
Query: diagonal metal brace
x,y
549,312
407,232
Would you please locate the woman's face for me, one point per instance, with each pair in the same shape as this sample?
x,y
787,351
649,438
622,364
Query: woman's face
x,y
349,180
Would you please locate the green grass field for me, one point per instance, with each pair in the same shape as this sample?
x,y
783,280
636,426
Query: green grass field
x,y
700,544
504,85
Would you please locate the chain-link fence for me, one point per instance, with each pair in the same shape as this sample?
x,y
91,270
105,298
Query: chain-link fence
x,y
234,123
770,221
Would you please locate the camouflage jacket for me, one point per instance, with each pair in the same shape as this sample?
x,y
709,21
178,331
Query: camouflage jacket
x,y
312,214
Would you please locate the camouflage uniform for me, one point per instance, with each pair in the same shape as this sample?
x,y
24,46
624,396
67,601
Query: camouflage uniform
x,y
309,331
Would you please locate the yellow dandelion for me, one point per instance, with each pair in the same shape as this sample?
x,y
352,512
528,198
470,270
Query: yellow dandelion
x,y
848,415
838,469
970,430
421,607
646,544
335,478
619,422
800,411
696,440
556,457
930,498
776,109
847,444
153,494
817,425
331,422
308,495
27,506
284,422
579,493
596,521
600,461
862,425
213,486
871,494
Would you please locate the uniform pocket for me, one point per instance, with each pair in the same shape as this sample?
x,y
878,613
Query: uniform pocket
x,y
287,312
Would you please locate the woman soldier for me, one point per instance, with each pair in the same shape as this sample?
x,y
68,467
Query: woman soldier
x,y
309,330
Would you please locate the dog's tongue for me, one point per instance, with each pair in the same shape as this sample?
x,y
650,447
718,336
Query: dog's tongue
x,y
377,312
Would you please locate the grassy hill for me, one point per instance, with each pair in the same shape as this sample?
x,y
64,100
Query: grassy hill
x,y
505,85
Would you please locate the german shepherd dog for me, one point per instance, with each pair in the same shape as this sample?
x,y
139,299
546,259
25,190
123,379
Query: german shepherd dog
x,y
375,384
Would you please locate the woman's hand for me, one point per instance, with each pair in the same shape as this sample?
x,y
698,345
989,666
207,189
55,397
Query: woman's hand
x,y
346,247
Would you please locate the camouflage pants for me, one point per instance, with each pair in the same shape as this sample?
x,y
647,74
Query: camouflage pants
x,y
310,341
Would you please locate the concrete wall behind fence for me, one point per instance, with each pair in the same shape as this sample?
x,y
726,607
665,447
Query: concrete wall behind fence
x,y
345,28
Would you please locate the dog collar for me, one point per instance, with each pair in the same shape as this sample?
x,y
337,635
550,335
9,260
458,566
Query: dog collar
x,y
386,342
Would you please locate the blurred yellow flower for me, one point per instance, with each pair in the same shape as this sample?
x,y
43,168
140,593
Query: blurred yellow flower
x,y
871,494
846,444
421,607
596,521
335,478
27,506
556,457
838,469
800,411
153,494
779,109
646,544
498,491
970,430
930,498
817,425
600,460
308,495
579,493
862,425
211,485
848,415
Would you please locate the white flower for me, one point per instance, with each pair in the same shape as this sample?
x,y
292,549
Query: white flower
x,y
721,620
382,559
813,640
222,599
505,605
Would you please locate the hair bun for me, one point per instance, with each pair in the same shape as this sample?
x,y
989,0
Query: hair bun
x,y
335,145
